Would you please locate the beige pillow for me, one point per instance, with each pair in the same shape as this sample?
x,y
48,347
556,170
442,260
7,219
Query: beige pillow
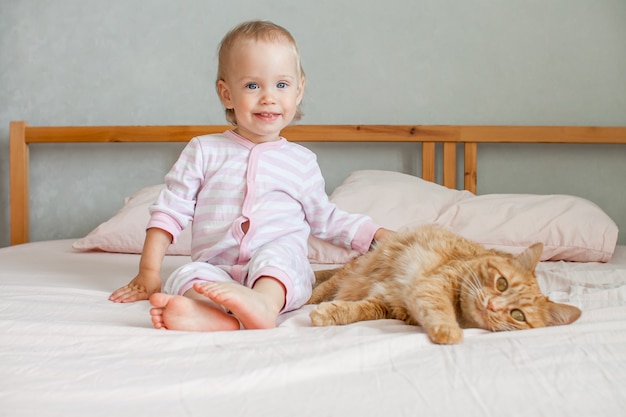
x,y
571,228
126,231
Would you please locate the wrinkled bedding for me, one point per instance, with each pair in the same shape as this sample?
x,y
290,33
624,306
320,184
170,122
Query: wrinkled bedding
x,y
66,350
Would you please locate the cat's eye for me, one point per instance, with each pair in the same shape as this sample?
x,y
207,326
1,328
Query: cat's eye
x,y
502,284
518,315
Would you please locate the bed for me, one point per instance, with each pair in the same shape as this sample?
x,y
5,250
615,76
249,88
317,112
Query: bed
x,y
66,350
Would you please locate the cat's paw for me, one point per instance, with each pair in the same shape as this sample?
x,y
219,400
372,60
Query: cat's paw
x,y
323,314
445,334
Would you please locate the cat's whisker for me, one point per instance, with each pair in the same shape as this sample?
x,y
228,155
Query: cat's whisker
x,y
472,286
505,326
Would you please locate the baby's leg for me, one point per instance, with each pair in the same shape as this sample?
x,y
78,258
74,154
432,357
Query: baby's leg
x,y
271,285
177,312
287,264
180,307
256,307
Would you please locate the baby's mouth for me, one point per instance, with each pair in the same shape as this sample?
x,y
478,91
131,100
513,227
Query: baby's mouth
x,y
268,115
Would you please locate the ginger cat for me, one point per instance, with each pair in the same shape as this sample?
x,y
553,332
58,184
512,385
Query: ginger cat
x,y
443,282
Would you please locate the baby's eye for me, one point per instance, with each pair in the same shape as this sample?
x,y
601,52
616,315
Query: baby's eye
x,y
252,86
502,284
281,85
518,315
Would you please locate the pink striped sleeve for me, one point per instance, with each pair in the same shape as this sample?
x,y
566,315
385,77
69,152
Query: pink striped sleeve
x,y
328,222
174,208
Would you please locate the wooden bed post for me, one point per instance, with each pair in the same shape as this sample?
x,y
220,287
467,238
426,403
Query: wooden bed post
x,y
428,161
470,164
19,192
449,164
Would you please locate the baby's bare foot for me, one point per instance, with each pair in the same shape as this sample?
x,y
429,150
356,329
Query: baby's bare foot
x,y
252,309
175,312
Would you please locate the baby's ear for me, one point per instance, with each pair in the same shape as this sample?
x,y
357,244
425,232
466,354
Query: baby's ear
x,y
529,259
301,89
224,94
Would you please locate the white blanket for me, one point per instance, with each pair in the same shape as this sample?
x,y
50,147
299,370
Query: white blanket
x,y
66,350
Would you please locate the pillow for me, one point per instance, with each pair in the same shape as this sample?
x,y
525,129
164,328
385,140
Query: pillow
x,y
571,228
126,231
391,199
388,197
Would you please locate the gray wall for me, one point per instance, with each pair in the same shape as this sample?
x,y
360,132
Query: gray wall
x,y
86,62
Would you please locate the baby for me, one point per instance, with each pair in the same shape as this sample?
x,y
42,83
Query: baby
x,y
253,199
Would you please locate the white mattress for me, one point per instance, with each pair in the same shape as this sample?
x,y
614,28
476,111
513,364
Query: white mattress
x,y
66,350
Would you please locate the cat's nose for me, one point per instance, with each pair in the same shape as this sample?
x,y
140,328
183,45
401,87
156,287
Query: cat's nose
x,y
493,305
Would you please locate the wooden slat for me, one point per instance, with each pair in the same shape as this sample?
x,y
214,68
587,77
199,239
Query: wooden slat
x,y
542,134
469,167
340,133
366,133
428,161
18,183
295,133
104,134
22,135
449,164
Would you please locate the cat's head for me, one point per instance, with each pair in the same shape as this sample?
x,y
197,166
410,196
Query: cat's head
x,y
501,293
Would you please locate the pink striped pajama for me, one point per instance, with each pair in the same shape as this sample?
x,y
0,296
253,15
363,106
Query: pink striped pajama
x,y
221,182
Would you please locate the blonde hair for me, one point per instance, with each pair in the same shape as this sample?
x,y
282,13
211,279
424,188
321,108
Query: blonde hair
x,y
257,30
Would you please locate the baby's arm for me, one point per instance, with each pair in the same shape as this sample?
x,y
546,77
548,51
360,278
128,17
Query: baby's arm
x,y
148,280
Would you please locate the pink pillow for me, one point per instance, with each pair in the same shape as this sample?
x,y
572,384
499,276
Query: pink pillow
x,y
323,252
391,199
571,228
126,231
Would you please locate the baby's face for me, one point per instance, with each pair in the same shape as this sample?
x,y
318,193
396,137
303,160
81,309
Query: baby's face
x,y
264,87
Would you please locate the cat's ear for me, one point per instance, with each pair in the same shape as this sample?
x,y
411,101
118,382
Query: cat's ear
x,y
529,259
559,314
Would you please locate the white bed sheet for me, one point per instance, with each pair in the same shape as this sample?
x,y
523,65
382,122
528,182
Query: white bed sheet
x,y
66,350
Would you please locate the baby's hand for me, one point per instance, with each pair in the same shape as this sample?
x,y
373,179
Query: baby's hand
x,y
138,289
383,234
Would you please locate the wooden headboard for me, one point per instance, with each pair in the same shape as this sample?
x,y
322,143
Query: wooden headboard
x,y
450,137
